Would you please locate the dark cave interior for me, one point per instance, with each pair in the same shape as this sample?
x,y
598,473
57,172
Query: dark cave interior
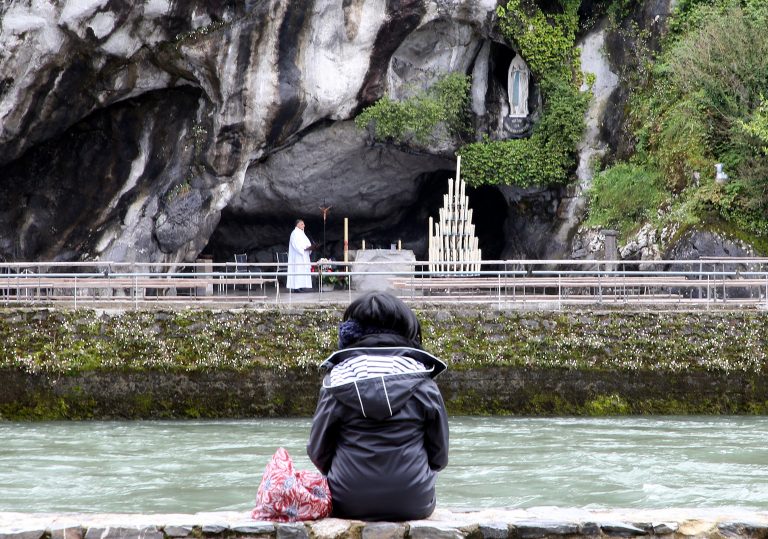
x,y
260,237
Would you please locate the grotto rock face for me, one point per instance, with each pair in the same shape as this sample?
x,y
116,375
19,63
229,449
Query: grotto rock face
x,y
695,243
157,130
624,47
98,180
126,128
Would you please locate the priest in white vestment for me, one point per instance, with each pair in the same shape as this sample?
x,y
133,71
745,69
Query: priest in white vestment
x,y
299,269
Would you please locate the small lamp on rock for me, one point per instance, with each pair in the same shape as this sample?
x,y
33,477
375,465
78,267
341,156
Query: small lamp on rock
x,y
720,176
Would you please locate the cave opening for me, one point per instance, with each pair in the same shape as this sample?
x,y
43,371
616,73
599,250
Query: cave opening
x,y
261,236
501,57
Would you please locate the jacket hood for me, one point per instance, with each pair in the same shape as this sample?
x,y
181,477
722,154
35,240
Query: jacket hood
x,y
381,379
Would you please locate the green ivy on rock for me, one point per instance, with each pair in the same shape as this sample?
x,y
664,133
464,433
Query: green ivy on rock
x,y
421,116
543,159
546,42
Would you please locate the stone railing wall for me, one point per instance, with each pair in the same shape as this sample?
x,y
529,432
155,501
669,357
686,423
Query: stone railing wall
x,y
107,394
82,364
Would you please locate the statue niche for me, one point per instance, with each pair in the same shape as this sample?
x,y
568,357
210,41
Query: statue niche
x,y
516,123
517,87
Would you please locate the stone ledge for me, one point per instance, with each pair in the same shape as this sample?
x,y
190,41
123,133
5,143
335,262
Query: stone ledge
x,y
535,523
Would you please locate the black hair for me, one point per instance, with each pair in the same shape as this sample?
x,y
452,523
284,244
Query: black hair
x,y
297,222
385,311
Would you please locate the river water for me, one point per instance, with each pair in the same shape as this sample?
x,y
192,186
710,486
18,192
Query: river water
x,y
190,466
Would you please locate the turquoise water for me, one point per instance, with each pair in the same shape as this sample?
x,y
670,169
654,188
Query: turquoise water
x,y
189,466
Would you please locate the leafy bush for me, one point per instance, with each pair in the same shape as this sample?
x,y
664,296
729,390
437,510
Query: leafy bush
x,y
723,66
738,203
707,83
681,144
444,103
624,196
758,125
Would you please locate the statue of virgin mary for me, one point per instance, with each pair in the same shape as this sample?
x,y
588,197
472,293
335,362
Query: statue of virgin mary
x,y
517,87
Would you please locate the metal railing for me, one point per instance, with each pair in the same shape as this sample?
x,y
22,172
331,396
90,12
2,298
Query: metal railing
x,y
699,283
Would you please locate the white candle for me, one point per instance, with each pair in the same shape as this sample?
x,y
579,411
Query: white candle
x,y
346,239
431,228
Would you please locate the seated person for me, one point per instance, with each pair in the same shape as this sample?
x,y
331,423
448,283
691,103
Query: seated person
x,y
380,430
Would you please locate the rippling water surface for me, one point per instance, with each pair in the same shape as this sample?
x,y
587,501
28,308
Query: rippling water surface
x,y
189,466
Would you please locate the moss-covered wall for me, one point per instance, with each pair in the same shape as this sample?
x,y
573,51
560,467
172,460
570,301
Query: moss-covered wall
x,y
84,364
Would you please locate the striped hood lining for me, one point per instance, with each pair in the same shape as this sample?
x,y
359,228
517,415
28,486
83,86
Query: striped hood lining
x,y
367,366
427,363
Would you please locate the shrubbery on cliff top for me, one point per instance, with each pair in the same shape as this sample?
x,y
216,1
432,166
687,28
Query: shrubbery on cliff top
x,y
703,103
625,195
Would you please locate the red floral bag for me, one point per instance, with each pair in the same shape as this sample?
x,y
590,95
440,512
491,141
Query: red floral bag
x,y
286,495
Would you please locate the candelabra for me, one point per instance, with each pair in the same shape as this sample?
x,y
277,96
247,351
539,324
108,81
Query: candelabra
x,y
453,245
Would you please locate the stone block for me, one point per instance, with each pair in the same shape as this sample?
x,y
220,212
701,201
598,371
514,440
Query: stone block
x,y
621,529
532,529
73,532
120,532
253,527
665,528
21,534
373,261
384,530
589,529
332,528
647,527
494,530
292,531
743,529
214,528
426,530
176,530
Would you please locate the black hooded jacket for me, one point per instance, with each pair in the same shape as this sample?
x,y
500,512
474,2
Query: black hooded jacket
x,y
381,439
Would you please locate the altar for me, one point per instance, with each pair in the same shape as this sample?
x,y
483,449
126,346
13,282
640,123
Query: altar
x,y
373,261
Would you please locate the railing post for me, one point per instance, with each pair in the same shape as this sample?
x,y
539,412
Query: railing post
x,y
498,276
725,293
413,282
599,285
701,268
765,297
